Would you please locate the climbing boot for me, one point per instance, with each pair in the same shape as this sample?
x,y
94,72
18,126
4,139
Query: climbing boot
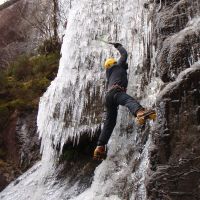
x,y
143,115
100,153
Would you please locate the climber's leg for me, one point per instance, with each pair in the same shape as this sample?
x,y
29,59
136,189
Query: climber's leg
x,y
109,124
135,108
126,100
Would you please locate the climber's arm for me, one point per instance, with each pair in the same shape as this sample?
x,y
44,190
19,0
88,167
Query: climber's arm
x,y
123,53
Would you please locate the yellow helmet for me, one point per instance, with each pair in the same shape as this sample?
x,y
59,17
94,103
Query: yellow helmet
x,y
109,62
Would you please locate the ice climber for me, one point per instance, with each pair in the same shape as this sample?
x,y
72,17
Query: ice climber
x,y
117,81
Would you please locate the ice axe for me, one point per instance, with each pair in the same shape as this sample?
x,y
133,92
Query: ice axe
x,y
116,44
99,39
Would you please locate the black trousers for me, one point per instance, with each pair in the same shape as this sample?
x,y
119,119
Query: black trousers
x,y
114,98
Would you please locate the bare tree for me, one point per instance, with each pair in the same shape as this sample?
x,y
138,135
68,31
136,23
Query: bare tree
x,y
55,19
28,24
39,16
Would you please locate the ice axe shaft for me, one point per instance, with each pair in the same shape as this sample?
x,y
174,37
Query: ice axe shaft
x,y
105,41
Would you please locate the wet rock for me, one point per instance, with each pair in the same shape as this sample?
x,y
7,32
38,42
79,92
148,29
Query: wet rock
x,y
21,144
76,163
9,138
178,52
28,141
3,182
176,37
175,160
86,142
179,106
8,172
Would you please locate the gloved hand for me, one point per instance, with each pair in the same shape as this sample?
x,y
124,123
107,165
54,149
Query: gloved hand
x,y
116,45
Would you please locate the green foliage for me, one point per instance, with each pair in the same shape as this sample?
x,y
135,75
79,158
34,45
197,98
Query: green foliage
x,y
21,69
26,68
41,64
18,104
39,85
49,46
45,64
26,79
22,84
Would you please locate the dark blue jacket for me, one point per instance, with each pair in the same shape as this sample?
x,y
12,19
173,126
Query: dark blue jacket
x,y
117,74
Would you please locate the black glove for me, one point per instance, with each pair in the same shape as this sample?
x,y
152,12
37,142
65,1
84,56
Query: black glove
x,y
116,45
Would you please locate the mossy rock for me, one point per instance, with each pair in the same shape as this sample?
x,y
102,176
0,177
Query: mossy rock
x,y
16,104
4,115
2,153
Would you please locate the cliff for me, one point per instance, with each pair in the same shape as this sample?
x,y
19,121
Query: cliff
x,y
27,65
175,159
158,161
17,35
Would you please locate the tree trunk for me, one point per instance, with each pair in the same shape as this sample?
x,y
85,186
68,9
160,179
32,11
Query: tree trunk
x,y
55,20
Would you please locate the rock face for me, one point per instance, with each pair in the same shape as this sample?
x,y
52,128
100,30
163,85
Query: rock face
x,y
28,140
21,143
176,37
159,161
7,3
175,160
16,32
19,32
